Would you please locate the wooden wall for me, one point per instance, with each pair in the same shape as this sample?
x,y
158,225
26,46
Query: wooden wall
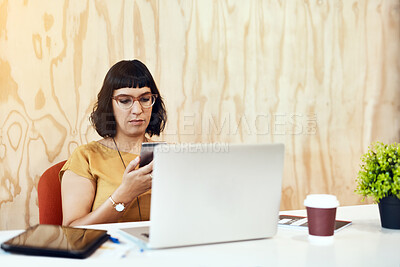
x,y
321,76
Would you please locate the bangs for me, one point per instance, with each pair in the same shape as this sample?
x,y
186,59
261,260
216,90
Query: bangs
x,y
131,74
130,82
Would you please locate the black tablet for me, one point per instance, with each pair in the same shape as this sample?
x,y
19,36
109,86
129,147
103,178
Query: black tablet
x,y
57,241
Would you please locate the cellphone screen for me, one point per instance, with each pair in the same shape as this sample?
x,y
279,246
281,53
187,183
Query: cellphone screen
x,y
56,240
146,153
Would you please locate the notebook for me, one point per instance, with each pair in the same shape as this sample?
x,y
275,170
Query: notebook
x,y
301,222
212,193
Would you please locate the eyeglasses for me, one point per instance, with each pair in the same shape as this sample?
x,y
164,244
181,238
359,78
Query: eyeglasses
x,y
126,101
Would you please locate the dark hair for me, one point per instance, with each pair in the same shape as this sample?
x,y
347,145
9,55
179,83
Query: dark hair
x,y
132,74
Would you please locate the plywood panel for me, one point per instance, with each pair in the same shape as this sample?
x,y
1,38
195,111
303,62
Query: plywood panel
x,y
320,76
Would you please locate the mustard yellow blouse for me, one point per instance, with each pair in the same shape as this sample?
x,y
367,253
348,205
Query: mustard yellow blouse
x,y
103,165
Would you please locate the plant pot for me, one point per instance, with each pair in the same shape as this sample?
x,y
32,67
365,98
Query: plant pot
x,y
389,210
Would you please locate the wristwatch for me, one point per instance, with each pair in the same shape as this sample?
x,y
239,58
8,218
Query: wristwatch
x,y
117,206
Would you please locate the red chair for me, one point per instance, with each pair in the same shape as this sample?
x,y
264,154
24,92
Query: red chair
x,y
49,196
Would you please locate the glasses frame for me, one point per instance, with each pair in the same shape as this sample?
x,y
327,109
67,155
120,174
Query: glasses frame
x,y
134,99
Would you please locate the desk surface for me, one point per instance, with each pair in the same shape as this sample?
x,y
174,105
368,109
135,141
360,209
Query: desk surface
x,y
364,243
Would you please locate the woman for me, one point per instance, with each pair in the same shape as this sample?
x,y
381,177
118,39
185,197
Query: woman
x,y
101,181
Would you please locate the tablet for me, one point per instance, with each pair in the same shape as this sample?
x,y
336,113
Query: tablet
x,y
57,241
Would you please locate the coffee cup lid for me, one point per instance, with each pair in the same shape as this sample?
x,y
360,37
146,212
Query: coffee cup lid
x,y
323,201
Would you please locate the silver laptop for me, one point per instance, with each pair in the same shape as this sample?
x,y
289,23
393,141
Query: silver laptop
x,y
211,193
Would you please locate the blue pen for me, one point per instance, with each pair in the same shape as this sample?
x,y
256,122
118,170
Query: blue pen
x,y
114,240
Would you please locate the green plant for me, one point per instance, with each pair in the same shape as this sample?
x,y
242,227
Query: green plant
x,y
379,175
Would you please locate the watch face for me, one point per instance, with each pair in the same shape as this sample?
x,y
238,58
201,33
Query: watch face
x,y
119,207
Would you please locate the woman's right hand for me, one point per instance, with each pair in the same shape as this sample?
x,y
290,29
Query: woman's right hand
x,y
79,192
134,182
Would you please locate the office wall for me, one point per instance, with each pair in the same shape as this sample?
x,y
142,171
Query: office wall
x,y
320,76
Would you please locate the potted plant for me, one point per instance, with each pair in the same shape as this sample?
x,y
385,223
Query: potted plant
x,y
379,177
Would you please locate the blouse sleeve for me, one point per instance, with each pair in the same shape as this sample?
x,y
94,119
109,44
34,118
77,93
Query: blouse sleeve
x,y
79,164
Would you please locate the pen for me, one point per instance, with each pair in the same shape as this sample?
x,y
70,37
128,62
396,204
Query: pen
x,y
114,240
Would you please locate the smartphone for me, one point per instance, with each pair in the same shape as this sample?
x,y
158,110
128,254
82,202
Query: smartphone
x,y
57,241
146,153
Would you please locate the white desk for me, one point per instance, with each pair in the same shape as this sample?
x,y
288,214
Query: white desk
x,y
364,243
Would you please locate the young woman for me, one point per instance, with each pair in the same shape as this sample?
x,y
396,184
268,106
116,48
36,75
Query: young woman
x,y
101,181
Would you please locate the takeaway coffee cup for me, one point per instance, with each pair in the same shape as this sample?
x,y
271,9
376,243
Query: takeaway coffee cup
x,y
321,215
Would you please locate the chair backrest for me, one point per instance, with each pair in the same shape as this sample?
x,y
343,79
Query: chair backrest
x,y
49,196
